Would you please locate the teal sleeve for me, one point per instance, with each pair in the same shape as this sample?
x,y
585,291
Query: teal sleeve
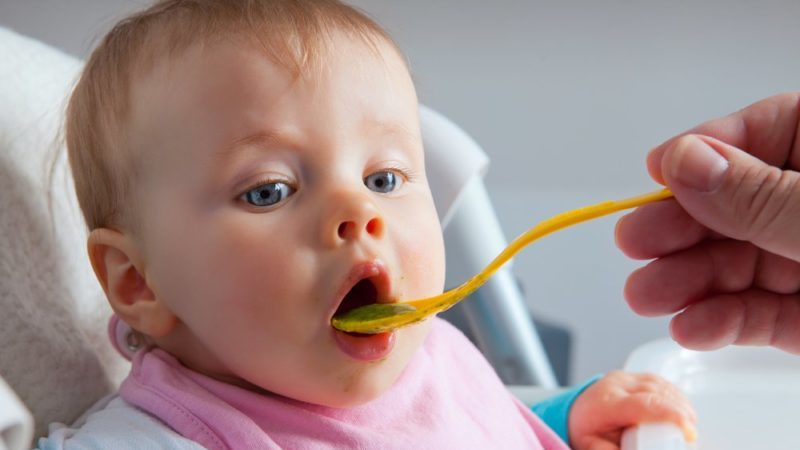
x,y
554,411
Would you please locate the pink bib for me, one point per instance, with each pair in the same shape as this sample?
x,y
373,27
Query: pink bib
x,y
448,397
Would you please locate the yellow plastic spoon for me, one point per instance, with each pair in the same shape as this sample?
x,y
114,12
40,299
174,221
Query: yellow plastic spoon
x,y
381,317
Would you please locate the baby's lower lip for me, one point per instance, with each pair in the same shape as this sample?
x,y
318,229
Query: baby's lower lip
x,y
364,347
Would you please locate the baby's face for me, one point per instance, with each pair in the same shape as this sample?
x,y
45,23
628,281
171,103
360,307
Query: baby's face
x,y
267,202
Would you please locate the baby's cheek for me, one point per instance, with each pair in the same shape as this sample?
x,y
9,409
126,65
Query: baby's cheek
x,y
423,262
245,267
206,271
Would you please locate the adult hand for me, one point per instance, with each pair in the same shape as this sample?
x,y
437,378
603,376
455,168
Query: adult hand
x,y
727,248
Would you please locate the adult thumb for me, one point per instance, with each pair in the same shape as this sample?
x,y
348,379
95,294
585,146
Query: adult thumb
x,y
735,193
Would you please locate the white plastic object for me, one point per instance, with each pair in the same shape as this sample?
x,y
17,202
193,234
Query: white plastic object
x,y
654,436
745,397
452,159
16,422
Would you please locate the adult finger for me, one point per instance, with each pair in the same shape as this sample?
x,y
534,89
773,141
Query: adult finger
x,y
658,229
752,317
734,193
669,284
768,129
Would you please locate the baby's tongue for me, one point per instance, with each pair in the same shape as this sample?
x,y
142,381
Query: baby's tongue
x,y
365,347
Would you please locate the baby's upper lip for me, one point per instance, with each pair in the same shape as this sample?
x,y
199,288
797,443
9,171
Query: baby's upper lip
x,y
376,272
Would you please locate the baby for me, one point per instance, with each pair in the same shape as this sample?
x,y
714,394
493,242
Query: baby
x,y
248,169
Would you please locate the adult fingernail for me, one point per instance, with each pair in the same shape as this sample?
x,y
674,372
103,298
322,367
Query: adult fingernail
x,y
695,164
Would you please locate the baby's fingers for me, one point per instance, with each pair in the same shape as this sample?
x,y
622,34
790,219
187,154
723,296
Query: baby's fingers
x,y
599,443
644,407
649,383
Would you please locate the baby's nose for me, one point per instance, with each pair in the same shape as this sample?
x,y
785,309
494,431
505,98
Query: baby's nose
x,y
352,216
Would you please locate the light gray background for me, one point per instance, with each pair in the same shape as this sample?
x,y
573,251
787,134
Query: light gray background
x,y
566,97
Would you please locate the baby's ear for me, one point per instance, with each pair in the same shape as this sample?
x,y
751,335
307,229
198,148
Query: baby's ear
x,y
120,270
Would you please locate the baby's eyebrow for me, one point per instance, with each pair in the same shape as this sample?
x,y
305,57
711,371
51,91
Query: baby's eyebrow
x,y
271,138
391,128
260,139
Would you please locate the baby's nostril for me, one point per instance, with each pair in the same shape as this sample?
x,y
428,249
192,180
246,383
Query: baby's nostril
x,y
349,229
343,229
374,227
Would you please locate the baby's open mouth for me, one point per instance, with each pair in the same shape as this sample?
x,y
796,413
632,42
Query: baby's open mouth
x,y
373,286
362,293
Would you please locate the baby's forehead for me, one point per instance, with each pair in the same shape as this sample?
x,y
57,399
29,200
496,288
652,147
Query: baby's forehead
x,y
217,65
170,65
221,77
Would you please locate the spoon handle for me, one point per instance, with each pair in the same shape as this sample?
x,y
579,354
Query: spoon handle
x,y
551,225
567,219
378,318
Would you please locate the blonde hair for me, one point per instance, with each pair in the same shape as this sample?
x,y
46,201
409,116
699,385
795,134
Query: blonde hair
x,y
293,33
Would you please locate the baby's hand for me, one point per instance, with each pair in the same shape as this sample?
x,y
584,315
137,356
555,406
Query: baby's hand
x,y
620,400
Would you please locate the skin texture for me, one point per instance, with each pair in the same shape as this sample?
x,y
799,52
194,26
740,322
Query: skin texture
x,y
726,250
244,293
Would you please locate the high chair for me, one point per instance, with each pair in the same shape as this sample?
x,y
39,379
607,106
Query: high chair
x,y
55,357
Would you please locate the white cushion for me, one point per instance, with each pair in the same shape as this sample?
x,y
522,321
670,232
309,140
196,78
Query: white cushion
x,y
53,347
452,159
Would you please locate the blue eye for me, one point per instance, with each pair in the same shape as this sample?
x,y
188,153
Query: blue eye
x,y
384,181
268,194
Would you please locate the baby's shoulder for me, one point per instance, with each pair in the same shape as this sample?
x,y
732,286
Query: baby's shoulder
x,y
115,423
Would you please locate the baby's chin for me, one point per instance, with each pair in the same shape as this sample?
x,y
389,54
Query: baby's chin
x,y
352,393
366,382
